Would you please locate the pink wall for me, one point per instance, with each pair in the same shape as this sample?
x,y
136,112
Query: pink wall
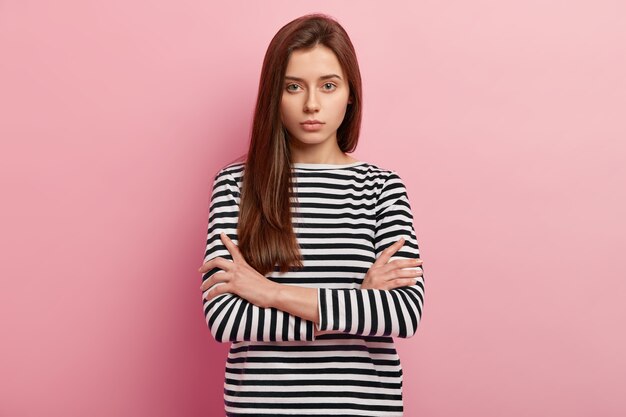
x,y
505,118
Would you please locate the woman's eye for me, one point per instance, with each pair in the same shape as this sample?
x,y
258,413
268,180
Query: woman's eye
x,y
326,86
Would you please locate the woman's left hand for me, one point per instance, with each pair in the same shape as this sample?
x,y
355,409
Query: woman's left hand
x,y
238,278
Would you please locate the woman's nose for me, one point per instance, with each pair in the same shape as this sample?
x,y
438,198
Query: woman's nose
x,y
311,103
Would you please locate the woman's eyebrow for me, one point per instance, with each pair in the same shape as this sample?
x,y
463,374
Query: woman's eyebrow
x,y
323,77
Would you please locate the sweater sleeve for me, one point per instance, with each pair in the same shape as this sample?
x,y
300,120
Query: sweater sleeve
x,y
396,312
229,317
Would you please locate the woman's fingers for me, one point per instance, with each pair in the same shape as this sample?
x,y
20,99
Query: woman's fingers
x,y
219,276
403,273
217,290
388,252
405,282
406,263
400,273
399,265
232,248
218,262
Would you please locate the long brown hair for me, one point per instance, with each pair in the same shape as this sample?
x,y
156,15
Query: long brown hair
x,y
265,233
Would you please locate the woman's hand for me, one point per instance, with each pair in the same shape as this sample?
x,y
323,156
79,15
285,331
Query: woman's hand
x,y
237,277
384,275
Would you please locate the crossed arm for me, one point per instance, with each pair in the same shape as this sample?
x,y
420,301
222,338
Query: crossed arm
x,y
287,312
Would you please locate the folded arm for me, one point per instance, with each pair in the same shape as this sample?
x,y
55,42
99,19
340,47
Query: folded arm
x,y
300,313
229,317
396,312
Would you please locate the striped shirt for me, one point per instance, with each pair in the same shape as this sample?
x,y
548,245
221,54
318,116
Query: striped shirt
x,y
344,216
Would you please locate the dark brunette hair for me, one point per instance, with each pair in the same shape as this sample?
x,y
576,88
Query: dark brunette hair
x,y
264,232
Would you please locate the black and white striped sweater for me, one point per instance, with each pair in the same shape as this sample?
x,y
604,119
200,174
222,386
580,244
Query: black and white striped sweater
x,y
346,215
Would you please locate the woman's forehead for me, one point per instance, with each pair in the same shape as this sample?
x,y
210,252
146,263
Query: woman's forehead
x,y
313,63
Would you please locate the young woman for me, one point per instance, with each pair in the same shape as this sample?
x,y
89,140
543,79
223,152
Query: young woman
x,y
298,271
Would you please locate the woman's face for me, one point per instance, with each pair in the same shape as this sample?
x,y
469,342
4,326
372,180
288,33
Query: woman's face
x,y
315,88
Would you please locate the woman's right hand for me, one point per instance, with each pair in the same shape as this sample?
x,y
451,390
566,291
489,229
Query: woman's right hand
x,y
384,275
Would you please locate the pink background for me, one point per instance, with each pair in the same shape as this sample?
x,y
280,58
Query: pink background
x,y
506,119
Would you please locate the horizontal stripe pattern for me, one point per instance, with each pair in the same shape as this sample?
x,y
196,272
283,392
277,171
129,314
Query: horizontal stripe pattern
x,y
343,217
379,312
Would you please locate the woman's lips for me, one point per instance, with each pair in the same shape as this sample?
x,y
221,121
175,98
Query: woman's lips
x,y
311,126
